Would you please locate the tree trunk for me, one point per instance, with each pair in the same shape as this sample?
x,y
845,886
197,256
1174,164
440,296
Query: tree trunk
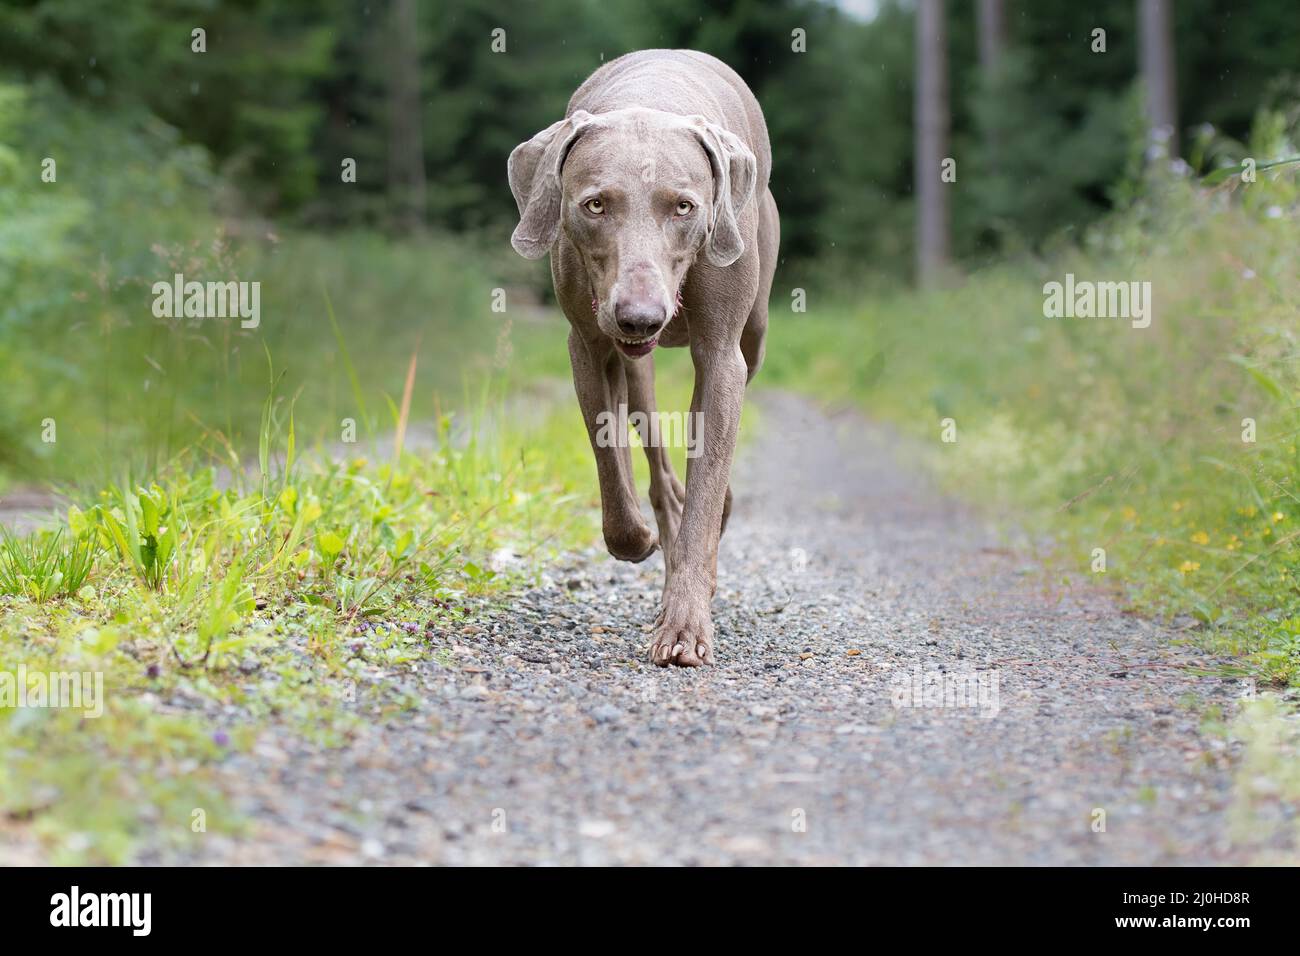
x,y
931,121
405,133
1155,26
992,23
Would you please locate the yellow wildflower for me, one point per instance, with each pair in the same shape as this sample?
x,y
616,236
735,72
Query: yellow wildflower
x,y
1187,567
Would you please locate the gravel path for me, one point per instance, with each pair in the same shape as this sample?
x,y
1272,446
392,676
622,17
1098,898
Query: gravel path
x,y
846,581
26,509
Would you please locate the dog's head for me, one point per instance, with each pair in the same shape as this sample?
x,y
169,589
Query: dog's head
x,y
640,193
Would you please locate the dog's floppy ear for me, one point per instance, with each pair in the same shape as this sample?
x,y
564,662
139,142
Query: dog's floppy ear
x,y
734,171
534,170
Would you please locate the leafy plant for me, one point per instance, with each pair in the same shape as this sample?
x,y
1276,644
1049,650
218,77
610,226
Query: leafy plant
x,y
144,529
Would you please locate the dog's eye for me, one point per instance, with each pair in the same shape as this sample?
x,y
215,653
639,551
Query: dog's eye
x,y
594,206
684,208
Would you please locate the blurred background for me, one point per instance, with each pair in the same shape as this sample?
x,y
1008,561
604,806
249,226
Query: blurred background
x,y
228,163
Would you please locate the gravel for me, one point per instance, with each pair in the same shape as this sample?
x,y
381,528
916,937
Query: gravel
x,y
848,586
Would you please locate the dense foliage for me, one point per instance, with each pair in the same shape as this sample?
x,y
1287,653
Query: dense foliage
x,y
285,92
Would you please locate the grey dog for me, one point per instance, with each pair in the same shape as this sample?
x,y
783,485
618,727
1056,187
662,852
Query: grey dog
x,y
652,198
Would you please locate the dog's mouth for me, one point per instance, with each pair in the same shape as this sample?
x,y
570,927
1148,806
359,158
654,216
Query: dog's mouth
x,y
635,348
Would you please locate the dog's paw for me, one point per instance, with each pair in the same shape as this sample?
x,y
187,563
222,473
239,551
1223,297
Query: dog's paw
x,y
683,636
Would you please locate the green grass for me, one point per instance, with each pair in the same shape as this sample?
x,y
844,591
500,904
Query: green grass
x,y
41,567
1267,779
94,380
1102,435
262,587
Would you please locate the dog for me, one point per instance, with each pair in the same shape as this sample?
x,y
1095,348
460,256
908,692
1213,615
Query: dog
x,y
652,198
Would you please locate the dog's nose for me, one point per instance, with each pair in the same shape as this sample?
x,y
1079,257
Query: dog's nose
x,y
641,319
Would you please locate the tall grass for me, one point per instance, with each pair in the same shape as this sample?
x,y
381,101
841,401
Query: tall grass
x,y
83,350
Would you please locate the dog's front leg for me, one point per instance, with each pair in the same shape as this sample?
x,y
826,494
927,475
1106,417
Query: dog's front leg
x,y
684,632
602,388
667,496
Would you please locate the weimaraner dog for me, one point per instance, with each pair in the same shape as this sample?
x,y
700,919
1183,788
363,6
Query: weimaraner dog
x,y
651,197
